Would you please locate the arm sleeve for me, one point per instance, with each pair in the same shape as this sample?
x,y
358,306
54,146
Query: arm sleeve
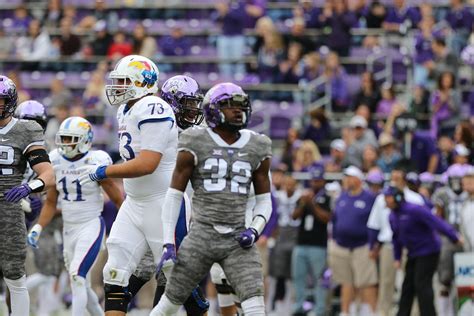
x,y
263,208
273,221
374,218
170,214
435,223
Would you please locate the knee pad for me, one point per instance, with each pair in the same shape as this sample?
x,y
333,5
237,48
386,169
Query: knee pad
x,y
225,300
115,276
196,304
116,298
254,306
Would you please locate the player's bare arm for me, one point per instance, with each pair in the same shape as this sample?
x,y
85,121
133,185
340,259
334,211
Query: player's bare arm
x,y
44,170
49,208
144,163
261,180
112,191
183,171
47,213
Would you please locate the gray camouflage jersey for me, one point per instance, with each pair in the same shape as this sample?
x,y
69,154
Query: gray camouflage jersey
x,y
15,138
222,175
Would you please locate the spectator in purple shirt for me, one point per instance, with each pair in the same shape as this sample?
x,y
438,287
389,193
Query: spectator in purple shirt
x,y
445,104
339,20
21,19
460,19
175,44
423,51
310,13
336,75
255,9
349,252
400,18
415,228
384,106
231,43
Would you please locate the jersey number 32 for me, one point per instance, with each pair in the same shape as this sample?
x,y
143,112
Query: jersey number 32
x,y
241,173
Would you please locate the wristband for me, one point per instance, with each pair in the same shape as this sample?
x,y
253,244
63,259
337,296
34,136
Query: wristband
x,y
37,185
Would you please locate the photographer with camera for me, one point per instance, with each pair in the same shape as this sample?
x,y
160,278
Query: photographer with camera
x,y
418,146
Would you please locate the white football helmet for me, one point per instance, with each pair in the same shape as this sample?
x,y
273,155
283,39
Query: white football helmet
x,y
134,76
80,132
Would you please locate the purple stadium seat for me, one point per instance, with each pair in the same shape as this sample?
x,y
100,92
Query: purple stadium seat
x,y
353,84
279,126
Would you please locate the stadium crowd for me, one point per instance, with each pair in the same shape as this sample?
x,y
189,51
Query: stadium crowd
x,y
329,238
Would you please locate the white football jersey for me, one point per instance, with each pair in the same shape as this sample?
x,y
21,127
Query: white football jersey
x,y
79,203
157,117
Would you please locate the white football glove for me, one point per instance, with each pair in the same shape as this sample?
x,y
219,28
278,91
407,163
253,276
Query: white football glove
x,y
91,173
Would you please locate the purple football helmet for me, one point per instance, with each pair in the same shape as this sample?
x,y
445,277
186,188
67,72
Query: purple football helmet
x,y
32,110
185,97
9,94
226,95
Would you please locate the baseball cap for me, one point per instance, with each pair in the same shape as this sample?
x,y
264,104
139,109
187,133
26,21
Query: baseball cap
x,y
385,139
461,150
338,144
375,177
353,171
358,121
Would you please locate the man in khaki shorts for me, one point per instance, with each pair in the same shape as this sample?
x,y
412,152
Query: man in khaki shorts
x,y
349,250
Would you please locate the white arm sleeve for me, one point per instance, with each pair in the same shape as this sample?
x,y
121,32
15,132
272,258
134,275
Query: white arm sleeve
x,y
154,135
374,218
262,210
170,214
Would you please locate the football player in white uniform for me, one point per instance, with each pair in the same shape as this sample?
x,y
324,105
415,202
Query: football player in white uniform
x,y
81,204
148,136
184,95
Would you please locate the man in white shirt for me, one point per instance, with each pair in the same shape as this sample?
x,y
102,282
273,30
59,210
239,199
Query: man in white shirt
x,y
380,239
467,211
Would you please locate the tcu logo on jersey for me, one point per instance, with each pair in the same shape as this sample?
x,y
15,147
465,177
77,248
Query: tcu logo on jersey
x,y
359,204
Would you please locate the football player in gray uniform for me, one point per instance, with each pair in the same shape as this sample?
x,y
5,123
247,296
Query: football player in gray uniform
x,y
221,162
21,142
184,95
